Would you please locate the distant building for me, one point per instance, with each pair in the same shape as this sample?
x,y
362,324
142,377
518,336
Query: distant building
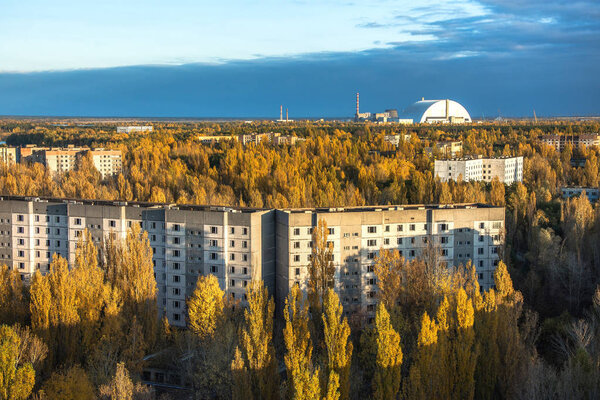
x,y
436,111
8,155
207,139
395,139
592,193
58,160
559,142
130,129
449,149
506,169
275,138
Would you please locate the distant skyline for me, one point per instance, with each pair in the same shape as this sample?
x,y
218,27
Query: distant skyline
x,y
183,58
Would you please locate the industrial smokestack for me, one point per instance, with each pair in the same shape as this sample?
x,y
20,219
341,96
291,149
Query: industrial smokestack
x,y
281,112
357,105
286,115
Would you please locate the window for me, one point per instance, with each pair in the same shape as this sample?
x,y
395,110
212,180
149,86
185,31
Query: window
x,y
232,270
482,225
232,257
176,317
296,245
20,218
480,238
497,225
244,257
444,239
232,243
386,241
245,271
480,250
21,242
480,263
214,269
214,230
297,271
232,283
245,231
232,230
176,227
411,227
213,243
445,252
57,219
176,253
425,227
112,223
244,244
176,278
176,265
443,227
213,256
176,304
331,231
372,242
371,255
412,253
494,250
296,231
400,228
20,229
296,257
21,253
481,275
372,229
399,240
176,240
371,281
387,228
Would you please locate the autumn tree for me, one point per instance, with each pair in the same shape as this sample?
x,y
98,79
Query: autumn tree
x,y
71,384
337,341
321,269
386,382
16,378
303,378
257,363
13,304
205,306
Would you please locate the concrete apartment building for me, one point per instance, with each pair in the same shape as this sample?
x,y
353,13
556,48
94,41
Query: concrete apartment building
x,y
462,233
592,193
447,149
239,244
8,155
131,129
236,245
506,169
559,142
58,160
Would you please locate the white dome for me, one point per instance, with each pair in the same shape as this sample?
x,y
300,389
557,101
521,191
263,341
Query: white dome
x,y
431,111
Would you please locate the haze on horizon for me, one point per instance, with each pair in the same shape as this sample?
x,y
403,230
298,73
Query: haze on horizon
x,y
234,59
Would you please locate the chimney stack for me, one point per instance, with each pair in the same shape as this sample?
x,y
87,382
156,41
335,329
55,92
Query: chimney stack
x,y
357,105
286,115
447,110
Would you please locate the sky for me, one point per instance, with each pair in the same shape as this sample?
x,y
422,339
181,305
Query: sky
x,y
242,58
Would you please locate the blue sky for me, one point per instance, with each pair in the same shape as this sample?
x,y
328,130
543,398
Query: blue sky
x,y
241,58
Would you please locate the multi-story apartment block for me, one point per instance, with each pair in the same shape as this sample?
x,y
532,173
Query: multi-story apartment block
x,y
395,139
559,142
108,162
592,193
447,149
461,233
506,169
8,155
239,244
236,245
130,129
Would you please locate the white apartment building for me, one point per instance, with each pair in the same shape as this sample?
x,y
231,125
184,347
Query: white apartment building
x,y
8,155
130,129
506,169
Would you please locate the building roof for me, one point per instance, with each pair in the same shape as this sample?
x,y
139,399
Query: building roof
x,y
434,110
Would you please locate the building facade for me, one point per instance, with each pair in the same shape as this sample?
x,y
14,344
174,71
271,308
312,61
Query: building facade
x,y
507,169
449,149
461,233
131,129
592,193
559,142
8,155
239,244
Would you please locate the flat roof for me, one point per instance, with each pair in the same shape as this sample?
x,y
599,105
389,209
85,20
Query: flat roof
x,y
404,207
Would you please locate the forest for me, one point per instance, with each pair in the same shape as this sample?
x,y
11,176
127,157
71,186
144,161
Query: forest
x,y
90,331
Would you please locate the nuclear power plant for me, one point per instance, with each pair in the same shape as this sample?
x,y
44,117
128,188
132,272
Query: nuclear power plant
x,y
424,111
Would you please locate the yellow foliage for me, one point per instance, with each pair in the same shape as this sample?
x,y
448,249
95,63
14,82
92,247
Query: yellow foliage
x,y
205,306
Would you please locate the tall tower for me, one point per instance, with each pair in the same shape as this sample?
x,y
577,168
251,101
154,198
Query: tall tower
x,y
286,115
357,105
281,112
